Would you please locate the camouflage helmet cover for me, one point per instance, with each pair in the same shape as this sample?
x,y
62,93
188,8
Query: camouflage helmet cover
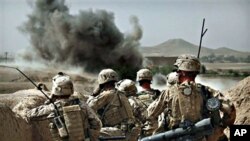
x,y
144,74
107,75
62,85
127,86
187,62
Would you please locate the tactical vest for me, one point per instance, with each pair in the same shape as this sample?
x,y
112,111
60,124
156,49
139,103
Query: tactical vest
x,y
148,96
117,111
139,108
75,126
187,104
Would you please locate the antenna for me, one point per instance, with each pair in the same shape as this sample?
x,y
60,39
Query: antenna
x,y
202,34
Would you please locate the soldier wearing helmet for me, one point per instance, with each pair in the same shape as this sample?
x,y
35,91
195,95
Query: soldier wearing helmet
x,y
147,95
68,116
113,107
139,108
187,102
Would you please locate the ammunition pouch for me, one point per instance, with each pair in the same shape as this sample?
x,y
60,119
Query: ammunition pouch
x,y
117,113
74,122
54,132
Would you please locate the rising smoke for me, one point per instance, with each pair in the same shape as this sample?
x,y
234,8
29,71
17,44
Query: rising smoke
x,y
89,40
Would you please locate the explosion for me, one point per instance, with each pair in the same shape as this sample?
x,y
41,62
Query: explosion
x,y
89,40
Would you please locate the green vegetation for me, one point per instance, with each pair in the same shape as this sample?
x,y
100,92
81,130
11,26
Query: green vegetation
x,y
225,59
223,73
226,73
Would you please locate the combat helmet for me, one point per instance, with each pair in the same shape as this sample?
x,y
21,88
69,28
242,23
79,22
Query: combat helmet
x,y
127,86
107,75
62,85
144,74
187,62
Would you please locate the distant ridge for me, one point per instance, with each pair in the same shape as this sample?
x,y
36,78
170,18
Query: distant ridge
x,y
175,47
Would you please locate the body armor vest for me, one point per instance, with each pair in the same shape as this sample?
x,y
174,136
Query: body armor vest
x,y
139,108
73,119
187,104
148,96
117,111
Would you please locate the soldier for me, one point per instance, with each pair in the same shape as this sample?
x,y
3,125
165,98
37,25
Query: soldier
x,y
187,102
113,107
147,95
139,108
69,118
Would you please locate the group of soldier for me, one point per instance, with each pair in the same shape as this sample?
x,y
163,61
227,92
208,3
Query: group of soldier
x,y
116,110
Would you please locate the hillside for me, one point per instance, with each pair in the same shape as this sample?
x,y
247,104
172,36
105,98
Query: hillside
x,y
175,47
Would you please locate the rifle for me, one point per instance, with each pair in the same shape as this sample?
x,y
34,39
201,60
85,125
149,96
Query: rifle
x,y
202,34
58,118
199,130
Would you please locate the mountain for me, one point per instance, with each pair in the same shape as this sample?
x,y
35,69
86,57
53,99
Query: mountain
x,y
175,47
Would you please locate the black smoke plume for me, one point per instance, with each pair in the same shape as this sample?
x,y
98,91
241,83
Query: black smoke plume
x,y
90,39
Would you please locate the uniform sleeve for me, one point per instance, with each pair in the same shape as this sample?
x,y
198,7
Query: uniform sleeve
x,y
99,101
94,121
43,110
158,106
95,124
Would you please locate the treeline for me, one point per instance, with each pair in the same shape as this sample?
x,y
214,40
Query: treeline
x,y
225,59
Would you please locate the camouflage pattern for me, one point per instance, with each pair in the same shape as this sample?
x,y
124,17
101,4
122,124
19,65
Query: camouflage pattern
x,y
172,78
114,132
148,96
187,62
90,121
179,107
139,108
107,75
144,74
115,111
62,85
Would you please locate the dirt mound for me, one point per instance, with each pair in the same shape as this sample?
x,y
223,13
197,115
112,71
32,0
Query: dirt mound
x,y
13,109
240,95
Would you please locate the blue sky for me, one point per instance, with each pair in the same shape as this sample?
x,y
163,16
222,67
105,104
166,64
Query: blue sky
x,y
227,21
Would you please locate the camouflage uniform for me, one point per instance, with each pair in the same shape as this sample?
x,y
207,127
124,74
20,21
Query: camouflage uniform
x,y
139,108
147,96
113,108
80,121
187,102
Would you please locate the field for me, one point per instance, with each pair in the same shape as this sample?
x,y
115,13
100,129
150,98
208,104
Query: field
x,y
12,81
228,66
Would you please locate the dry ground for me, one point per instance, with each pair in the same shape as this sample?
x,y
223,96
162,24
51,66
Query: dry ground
x,y
12,81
